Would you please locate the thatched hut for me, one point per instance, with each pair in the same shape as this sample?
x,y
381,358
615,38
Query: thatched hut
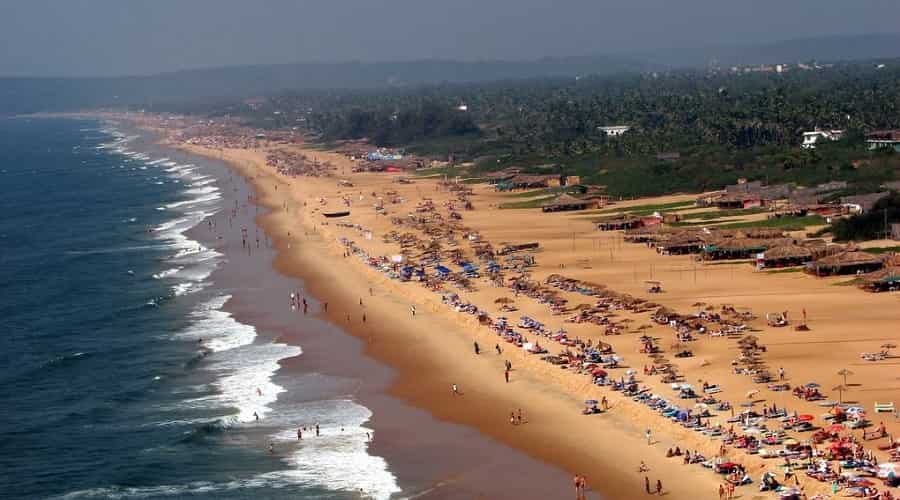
x,y
680,244
849,262
566,202
619,223
784,256
883,280
737,248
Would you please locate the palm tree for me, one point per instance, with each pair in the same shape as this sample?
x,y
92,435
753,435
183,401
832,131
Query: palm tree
x,y
844,373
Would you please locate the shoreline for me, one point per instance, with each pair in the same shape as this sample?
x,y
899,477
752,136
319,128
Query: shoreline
x,y
423,379
433,350
327,350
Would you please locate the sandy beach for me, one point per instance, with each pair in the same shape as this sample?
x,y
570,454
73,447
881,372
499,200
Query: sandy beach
x,y
432,350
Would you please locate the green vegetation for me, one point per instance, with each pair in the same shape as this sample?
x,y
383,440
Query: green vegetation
x,y
852,282
719,214
871,225
786,223
646,209
786,270
724,126
532,203
881,250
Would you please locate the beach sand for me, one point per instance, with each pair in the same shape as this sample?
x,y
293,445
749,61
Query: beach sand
x,y
433,350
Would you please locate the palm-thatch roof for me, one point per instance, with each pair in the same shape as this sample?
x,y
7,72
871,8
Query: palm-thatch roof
x,y
789,251
848,258
889,274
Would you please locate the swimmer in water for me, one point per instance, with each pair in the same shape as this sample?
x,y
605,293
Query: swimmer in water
x,y
258,391
256,415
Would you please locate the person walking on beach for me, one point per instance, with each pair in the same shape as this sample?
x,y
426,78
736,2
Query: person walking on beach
x,y
781,373
659,487
477,348
512,418
317,430
299,434
647,484
454,389
499,351
519,418
649,437
413,310
506,375
508,365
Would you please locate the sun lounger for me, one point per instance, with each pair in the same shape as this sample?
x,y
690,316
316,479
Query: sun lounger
x,y
884,407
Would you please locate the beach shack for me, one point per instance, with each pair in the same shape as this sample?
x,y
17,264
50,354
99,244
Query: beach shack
x,y
619,223
883,280
566,202
849,262
679,244
784,256
734,248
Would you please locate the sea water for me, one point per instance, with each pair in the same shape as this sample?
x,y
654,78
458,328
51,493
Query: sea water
x,y
122,375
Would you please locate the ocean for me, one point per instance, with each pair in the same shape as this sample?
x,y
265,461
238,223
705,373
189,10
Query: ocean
x,y
124,373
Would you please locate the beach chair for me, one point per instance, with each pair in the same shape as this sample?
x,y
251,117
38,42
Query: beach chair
x,y
884,407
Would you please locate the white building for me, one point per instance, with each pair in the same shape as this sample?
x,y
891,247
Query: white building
x,y
811,138
614,130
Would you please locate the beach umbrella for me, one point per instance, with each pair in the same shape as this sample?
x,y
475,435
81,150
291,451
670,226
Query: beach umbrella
x,y
840,389
813,385
590,402
805,418
790,442
844,373
835,428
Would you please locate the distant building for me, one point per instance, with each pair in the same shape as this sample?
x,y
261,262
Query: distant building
x,y
811,138
861,203
884,139
614,130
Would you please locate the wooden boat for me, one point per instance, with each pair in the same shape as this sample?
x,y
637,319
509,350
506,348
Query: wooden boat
x,y
332,215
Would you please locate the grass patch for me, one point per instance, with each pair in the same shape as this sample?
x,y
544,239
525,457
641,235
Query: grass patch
x,y
537,192
786,223
532,203
797,269
718,214
853,282
645,209
881,250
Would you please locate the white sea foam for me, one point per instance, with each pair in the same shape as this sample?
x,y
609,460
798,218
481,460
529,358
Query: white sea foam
x,y
195,201
158,161
338,459
168,272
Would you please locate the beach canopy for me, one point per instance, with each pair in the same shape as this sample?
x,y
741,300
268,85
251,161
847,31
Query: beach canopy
x,y
591,402
805,418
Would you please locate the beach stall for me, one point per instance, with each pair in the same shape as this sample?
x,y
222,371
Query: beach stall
x,y
883,280
784,256
566,202
619,223
849,262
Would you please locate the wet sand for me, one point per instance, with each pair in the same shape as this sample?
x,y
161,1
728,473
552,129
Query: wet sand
x,y
430,458
434,349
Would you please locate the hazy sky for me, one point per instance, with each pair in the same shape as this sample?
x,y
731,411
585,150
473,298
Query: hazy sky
x,y
112,37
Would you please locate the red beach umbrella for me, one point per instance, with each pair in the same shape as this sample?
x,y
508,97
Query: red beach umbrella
x,y
805,418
